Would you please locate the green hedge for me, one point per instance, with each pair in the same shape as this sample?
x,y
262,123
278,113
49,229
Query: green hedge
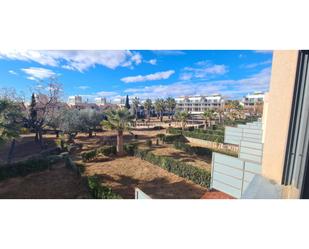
x,y
201,151
130,148
99,191
173,138
209,136
23,168
105,150
187,171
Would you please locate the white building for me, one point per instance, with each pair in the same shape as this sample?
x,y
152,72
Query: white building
x,y
100,101
251,100
75,100
199,104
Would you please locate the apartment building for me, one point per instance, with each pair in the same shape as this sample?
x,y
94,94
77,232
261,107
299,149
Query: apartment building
x,y
75,100
251,100
274,154
100,101
199,104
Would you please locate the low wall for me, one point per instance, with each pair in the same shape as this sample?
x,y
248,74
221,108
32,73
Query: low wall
x,y
215,145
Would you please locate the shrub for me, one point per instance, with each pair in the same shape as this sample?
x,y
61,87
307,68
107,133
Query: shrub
x,y
158,128
89,155
149,143
182,169
130,148
107,150
173,138
161,136
99,191
23,168
24,130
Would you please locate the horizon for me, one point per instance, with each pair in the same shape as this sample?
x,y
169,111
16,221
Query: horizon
x,y
138,73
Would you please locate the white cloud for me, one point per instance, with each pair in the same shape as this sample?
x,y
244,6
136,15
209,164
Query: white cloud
x,y
203,69
152,62
79,60
12,72
38,73
254,65
228,88
155,76
83,87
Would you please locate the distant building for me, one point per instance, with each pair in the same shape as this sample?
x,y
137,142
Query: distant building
x,y
251,100
199,104
100,101
75,100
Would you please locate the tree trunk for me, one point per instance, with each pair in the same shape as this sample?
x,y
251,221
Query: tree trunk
x,y
120,143
41,139
205,125
36,138
57,134
161,117
10,156
90,133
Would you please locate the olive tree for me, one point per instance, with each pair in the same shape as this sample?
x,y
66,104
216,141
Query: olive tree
x,y
70,123
90,120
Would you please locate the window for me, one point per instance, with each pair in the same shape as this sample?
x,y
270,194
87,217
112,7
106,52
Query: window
x,y
297,157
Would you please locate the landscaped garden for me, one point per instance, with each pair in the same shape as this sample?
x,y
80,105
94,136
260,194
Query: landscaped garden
x,y
50,152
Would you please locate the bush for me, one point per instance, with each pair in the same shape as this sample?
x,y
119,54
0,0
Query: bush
x,y
105,150
23,168
161,136
182,169
89,155
149,143
174,138
99,191
24,130
158,128
130,148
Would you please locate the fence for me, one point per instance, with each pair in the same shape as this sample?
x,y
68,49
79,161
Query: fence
x,y
250,132
232,175
139,194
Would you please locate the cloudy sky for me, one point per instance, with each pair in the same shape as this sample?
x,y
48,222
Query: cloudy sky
x,y
152,74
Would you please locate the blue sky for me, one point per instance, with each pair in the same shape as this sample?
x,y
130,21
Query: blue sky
x,y
153,74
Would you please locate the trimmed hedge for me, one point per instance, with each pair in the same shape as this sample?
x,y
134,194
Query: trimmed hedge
x,y
209,136
187,171
99,191
105,150
23,168
201,151
130,148
173,138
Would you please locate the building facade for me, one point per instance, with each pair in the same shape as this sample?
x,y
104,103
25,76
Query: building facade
x,y
199,104
75,100
253,99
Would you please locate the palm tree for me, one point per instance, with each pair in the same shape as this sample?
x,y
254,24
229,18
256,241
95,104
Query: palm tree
x,y
183,118
148,106
135,103
118,120
10,120
160,107
171,105
208,116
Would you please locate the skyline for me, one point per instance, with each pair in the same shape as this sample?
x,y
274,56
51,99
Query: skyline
x,y
141,73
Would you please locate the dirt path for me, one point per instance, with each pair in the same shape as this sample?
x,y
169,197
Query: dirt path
x,y
57,183
126,173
